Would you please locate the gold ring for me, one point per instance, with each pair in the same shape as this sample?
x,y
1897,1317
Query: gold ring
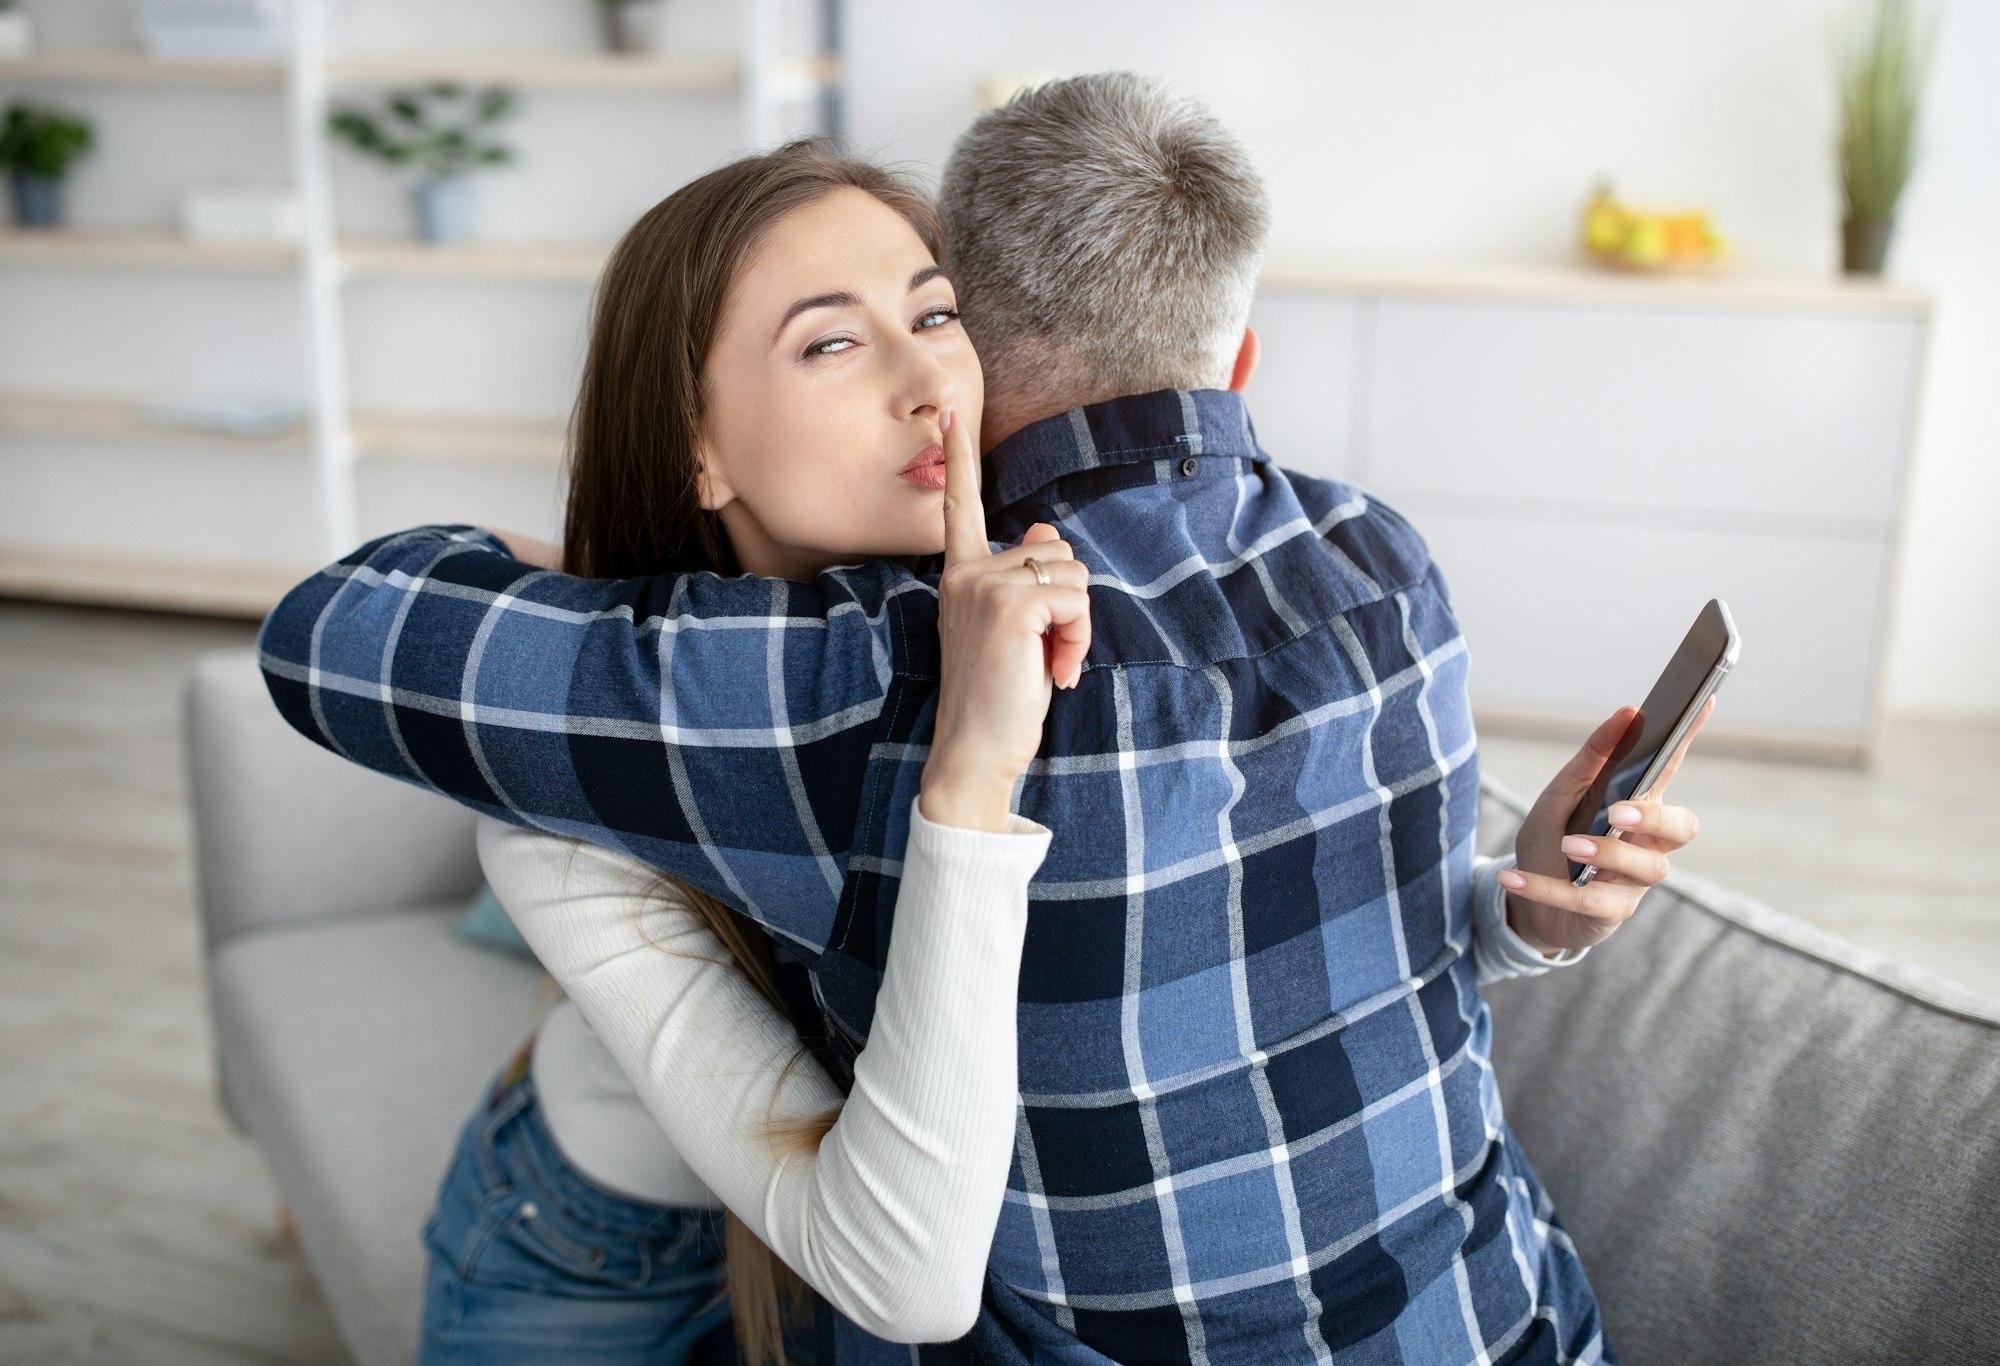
x,y
1041,574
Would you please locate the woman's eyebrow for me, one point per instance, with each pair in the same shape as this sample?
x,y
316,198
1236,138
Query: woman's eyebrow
x,y
840,299
843,299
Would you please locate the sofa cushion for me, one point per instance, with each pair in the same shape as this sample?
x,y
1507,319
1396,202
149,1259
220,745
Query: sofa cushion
x,y
487,924
1768,1145
356,1049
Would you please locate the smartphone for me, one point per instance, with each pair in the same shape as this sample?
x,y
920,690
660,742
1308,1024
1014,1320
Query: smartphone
x,y
1705,657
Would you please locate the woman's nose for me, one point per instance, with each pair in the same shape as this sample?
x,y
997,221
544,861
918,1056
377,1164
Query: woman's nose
x,y
927,385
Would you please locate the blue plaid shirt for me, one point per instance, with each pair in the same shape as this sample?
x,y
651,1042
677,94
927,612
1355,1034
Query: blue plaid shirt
x,y
1257,1118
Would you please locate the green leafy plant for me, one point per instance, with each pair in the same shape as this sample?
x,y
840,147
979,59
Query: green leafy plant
x,y
42,141
1882,74
439,128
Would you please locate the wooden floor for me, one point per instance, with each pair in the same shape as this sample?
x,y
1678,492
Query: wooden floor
x,y
136,1227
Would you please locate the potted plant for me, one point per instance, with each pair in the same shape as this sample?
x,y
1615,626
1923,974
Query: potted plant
x,y
630,25
17,30
37,148
1882,76
440,129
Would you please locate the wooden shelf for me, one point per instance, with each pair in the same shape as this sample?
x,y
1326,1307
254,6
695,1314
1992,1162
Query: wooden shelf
x,y
136,68
1729,287
121,420
360,257
753,92
409,258
391,436
140,248
160,584
668,72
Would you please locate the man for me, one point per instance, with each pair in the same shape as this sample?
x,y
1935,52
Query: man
x,y
1258,1122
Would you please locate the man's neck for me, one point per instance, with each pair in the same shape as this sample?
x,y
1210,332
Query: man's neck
x,y
1006,414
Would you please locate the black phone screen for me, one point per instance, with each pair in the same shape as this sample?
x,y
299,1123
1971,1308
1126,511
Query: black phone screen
x,y
1700,651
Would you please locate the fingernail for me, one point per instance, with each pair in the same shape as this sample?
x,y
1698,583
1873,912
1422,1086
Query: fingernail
x,y
1075,676
1624,815
1513,879
1578,845
944,424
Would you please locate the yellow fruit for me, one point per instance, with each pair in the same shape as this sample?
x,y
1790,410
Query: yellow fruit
x,y
1647,238
1604,227
1647,246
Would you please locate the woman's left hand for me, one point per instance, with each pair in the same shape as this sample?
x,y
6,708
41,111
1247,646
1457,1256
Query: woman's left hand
x,y
1544,907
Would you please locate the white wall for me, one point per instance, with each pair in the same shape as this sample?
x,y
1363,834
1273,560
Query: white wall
x,y
1464,130
1452,130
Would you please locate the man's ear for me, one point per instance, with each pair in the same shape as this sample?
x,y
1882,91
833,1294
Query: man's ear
x,y
1246,360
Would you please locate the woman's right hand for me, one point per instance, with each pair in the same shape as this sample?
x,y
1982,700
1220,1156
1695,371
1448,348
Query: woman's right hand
x,y
1004,639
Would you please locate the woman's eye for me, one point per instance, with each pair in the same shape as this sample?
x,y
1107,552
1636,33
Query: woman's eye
x,y
820,348
944,315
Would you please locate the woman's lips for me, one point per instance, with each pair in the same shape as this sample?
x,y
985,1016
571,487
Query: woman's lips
x,y
927,470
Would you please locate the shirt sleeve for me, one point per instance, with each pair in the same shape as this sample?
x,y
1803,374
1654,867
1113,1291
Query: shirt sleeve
x,y
714,728
892,1218
1498,950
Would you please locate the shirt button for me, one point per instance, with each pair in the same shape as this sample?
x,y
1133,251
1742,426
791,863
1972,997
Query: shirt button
x,y
1189,465
529,1209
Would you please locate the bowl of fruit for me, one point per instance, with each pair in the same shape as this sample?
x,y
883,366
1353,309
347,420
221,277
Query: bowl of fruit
x,y
1624,237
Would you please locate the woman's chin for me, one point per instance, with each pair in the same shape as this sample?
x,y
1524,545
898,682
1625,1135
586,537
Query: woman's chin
x,y
918,532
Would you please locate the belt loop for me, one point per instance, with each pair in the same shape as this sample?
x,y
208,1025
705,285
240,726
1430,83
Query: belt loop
x,y
516,1069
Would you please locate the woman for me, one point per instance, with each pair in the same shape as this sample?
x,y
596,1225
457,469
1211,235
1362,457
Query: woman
x,y
776,383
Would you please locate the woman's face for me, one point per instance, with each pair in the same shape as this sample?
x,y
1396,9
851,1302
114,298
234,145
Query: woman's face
x,y
837,352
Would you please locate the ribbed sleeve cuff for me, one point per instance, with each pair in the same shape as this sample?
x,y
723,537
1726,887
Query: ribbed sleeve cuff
x,y
1506,953
1003,844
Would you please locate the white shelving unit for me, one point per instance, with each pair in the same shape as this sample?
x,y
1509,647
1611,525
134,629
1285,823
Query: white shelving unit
x,y
763,89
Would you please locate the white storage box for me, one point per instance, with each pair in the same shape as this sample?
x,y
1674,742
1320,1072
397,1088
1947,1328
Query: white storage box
x,y
212,28
240,213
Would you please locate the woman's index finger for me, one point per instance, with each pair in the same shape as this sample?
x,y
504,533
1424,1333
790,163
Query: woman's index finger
x,y
964,515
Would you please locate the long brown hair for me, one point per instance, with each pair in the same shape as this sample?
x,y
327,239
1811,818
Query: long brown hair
x,y
634,507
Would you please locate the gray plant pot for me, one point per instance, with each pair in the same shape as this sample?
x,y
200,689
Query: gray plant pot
x,y
38,200
1864,244
631,25
443,207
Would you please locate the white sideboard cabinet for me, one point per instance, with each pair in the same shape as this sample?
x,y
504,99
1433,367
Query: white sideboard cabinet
x,y
1592,457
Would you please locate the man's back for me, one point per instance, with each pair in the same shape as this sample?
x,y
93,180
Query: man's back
x,y
1257,1120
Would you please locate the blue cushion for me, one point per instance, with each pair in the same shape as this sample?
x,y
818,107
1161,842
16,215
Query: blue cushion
x,y
485,923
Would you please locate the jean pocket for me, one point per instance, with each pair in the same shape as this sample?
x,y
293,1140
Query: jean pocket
x,y
531,1238
536,1244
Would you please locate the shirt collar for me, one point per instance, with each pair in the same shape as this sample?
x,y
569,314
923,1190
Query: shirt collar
x,y
1120,431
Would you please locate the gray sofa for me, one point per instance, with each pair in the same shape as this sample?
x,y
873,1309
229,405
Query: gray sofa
x,y
1769,1146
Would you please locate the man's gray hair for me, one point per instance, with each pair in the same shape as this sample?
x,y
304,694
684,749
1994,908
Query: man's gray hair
x,y
1104,234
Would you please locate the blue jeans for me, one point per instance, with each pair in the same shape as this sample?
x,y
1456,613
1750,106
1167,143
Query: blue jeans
x,y
531,1262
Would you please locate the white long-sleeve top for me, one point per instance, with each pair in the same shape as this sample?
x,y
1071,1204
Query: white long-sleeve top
x,y
893,1217
657,1072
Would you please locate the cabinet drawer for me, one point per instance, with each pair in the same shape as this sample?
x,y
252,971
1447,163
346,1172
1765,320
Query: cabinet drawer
x,y
1564,618
1671,410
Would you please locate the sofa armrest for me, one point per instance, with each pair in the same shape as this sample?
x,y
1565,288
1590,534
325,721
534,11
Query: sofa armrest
x,y
286,832
1501,812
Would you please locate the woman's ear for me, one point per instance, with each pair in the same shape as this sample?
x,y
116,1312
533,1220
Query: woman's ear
x,y
1246,360
710,486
